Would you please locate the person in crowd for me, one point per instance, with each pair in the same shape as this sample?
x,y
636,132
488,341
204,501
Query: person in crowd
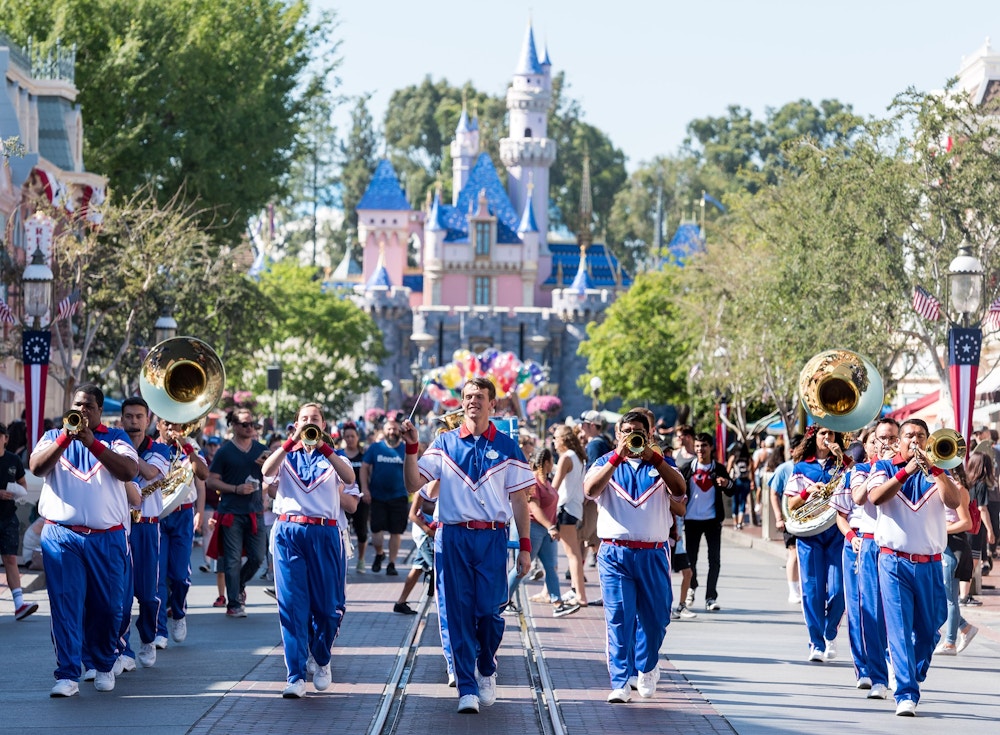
x,y
684,453
758,468
739,467
596,445
307,478
483,478
781,471
235,475
634,521
142,576
424,527
383,489
13,486
956,563
354,452
177,533
568,483
910,531
84,469
707,481
979,471
543,504
818,460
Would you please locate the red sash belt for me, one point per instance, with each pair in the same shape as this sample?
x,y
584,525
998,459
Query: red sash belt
x,y
868,536
86,530
625,543
482,525
308,520
915,558
184,506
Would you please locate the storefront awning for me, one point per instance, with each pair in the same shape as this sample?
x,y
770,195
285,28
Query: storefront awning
x,y
911,408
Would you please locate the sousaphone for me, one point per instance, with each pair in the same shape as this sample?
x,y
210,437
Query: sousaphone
x,y
181,379
842,391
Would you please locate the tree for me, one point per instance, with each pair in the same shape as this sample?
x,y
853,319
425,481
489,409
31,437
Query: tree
x,y
359,157
185,94
322,342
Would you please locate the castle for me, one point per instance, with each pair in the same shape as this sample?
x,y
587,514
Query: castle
x,y
489,275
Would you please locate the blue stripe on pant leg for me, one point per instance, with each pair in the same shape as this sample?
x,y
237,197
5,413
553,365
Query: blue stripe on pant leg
x,y
618,593
66,585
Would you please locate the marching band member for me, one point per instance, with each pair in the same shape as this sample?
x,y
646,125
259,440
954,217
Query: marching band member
x,y
309,561
819,556
483,478
633,522
144,537
85,506
910,532
177,537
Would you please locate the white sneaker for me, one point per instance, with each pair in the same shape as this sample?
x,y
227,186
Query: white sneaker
x,y
620,696
147,655
945,649
686,613
160,641
965,637
864,682
689,599
647,682
906,708
674,615
65,688
794,599
124,664
815,654
831,650
322,678
295,690
178,629
633,682
487,688
878,691
451,680
468,704
311,665
88,675
104,681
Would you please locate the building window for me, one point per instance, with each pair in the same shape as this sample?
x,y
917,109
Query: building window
x,y
527,132
482,295
483,238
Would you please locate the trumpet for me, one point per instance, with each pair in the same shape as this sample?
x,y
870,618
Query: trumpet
x,y
945,449
311,435
74,421
636,443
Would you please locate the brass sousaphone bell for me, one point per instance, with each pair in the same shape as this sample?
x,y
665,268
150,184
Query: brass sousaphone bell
x,y
842,391
181,379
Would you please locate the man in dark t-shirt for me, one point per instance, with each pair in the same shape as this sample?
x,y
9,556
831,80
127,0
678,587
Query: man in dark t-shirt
x,y
382,484
235,475
12,485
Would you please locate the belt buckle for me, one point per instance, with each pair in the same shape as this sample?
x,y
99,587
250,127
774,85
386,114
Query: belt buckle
x,y
910,558
87,531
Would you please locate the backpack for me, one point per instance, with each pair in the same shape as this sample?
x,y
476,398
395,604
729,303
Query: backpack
x,y
977,517
741,467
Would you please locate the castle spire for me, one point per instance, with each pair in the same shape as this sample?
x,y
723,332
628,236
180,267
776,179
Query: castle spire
x,y
380,277
584,237
527,62
528,223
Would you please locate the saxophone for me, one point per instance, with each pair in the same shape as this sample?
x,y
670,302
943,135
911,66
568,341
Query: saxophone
x,y
169,486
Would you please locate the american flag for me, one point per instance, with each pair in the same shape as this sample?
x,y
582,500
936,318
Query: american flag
x,y
926,305
993,315
68,306
964,349
6,315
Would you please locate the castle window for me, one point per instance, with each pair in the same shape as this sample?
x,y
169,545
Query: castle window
x,y
483,233
527,132
482,295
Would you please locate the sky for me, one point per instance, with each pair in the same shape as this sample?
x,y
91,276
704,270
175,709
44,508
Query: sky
x,y
643,69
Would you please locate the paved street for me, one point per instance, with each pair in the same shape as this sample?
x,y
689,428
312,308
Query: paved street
x,y
741,669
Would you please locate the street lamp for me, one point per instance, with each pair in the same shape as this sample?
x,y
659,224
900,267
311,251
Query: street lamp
x,y
387,387
165,327
36,342
966,276
595,390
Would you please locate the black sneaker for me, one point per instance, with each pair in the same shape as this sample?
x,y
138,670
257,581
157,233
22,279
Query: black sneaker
x,y
565,608
403,608
377,564
390,570
271,592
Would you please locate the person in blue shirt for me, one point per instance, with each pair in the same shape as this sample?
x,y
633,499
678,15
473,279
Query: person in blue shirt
x,y
382,487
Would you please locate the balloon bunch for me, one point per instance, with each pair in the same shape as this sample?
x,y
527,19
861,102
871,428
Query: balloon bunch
x,y
511,376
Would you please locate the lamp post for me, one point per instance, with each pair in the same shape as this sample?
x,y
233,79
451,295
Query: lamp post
x,y
36,342
965,337
165,327
387,387
595,391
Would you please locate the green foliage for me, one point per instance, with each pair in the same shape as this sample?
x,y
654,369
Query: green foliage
x,y
325,345
359,158
638,350
184,94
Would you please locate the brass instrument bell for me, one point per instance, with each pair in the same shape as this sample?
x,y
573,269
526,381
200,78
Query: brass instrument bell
x,y
841,390
182,379
73,421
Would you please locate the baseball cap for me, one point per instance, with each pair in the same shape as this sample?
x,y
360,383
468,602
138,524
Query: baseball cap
x,y
592,417
770,441
213,440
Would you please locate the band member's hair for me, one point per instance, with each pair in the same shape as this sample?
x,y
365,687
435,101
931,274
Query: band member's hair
x,y
134,401
570,440
94,392
310,405
978,468
916,422
886,420
539,458
483,383
808,446
705,438
634,417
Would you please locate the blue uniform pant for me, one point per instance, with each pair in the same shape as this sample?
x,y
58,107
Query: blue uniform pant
x,y
449,659
309,569
471,574
176,539
915,607
872,613
852,601
822,584
145,542
635,587
84,577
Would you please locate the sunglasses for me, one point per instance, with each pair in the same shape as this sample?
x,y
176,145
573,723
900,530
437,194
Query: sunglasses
x,y
245,424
